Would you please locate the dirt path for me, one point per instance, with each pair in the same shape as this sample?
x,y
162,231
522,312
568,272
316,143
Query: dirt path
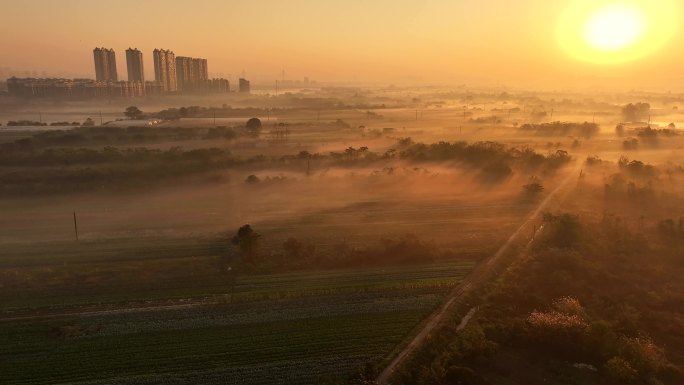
x,y
482,271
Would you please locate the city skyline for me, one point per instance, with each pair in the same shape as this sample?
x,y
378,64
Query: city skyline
x,y
423,41
172,75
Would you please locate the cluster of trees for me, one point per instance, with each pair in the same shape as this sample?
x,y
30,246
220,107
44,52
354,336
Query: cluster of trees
x,y
76,170
294,254
572,311
65,124
493,157
22,123
134,113
209,112
630,144
75,156
635,112
652,133
486,120
619,187
636,167
103,134
585,130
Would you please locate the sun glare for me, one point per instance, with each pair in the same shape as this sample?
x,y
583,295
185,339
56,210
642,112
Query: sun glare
x,y
616,31
614,28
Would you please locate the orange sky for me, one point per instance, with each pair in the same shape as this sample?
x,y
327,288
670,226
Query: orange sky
x,y
497,42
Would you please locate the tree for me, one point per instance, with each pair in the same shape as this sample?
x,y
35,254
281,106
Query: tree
x,y
247,240
89,123
254,126
534,187
133,112
252,179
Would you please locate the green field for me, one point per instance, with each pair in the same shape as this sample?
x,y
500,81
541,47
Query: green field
x,y
291,328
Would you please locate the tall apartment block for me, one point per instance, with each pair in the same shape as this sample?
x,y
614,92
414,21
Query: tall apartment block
x,y
105,65
165,69
134,62
244,86
191,74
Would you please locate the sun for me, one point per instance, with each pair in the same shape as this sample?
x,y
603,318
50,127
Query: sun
x,y
617,31
615,27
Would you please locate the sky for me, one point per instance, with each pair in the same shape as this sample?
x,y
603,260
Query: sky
x,y
492,42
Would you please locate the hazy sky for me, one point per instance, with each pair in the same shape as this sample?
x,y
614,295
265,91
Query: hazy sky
x,y
399,41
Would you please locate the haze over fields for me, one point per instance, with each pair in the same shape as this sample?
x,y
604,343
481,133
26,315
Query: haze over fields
x,y
341,193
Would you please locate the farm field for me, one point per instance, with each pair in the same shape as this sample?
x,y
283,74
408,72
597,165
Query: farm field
x,y
289,328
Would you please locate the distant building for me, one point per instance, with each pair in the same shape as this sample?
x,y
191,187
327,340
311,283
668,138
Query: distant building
x,y
200,70
244,86
154,88
165,69
134,63
72,88
191,74
105,65
218,85
183,72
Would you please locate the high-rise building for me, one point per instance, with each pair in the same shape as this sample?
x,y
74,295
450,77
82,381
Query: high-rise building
x,y
200,70
218,85
165,69
244,86
183,72
134,62
105,65
191,73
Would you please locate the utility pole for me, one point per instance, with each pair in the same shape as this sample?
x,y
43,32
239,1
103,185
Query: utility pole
x,y
276,88
75,226
100,118
40,117
214,118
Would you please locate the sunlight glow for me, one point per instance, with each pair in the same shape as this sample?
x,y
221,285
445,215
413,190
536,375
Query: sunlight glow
x,y
614,28
616,31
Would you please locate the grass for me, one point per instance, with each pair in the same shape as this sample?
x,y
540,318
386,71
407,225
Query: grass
x,y
294,328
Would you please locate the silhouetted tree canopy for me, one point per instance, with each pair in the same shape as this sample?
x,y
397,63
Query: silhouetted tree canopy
x,y
563,229
254,126
133,112
247,240
636,112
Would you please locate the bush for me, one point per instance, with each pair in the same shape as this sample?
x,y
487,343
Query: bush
x,y
563,230
619,371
